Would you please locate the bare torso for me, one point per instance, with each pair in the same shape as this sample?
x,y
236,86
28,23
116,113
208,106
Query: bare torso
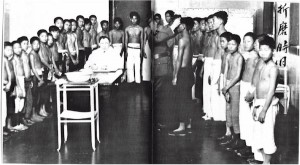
x,y
54,51
5,71
45,53
263,85
86,39
79,34
26,64
187,52
250,64
35,58
71,41
116,36
134,34
93,34
233,65
196,41
18,66
211,48
224,55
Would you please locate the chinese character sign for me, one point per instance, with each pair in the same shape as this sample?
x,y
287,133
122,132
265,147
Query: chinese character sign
x,y
282,26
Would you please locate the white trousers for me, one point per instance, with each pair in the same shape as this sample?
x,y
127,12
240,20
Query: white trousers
x,y
206,87
134,63
245,115
118,49
146,66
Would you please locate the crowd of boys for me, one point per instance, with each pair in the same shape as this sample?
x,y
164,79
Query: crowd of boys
x,y
189,58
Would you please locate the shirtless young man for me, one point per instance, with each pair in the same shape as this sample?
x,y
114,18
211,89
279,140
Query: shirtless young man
x,y
93,31
8,85
38,80
87,38
233,73
117,38
197,46
28,81
79,33
46,59
61,42
265,104
20,92
134,42
53,45
210,51
251,58
146,64
104,31
72,46
183,77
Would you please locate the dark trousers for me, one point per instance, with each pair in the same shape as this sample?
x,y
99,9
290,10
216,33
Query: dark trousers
x,y
87,52
81,58
28,99
41,95
199,81
162,92
183,94
10,103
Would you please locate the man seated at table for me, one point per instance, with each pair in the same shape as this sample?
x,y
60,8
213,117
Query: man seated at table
x,y
103,58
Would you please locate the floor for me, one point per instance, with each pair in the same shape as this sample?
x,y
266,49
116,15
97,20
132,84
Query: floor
x,y
126,137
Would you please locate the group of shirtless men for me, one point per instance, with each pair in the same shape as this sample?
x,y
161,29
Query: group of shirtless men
x,y
234,83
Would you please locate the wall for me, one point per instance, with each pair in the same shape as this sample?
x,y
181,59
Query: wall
x,y
122,9
26,17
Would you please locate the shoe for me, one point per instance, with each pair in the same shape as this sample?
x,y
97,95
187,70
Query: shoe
x,y
30,121
245,152
227,140
37,118
238,144
222,137
177,133
25,122
20,127
253,161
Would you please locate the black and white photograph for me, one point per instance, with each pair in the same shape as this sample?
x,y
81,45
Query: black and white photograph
x,y
150,81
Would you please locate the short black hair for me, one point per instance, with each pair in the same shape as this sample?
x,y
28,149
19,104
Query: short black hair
x,y
210,17
103,22
34,38
134,13
188,21
42,31
251,34
49,34
23,38
176,16
57,18
67,20
6,43
92,16
222,15
236,38
87,21
78,17
269,41
198,19
157,15
73,20
170,12
118,19
53,28
205,19
226,35
103,37
15,42
261,37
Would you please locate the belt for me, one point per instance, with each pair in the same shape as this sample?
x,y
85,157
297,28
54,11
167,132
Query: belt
x,y
133,47
160,55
